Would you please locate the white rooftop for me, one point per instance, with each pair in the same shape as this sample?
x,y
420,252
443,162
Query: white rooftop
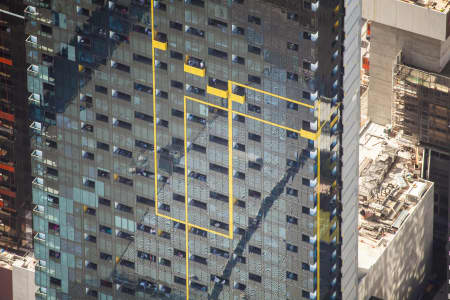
x,y
389,190
10,259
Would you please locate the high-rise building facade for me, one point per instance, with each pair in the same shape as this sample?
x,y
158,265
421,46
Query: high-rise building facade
x,y
15,179
195,149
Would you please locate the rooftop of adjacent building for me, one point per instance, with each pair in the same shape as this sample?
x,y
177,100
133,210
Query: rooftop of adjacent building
x,y
389,189
10,258
439,5
427,18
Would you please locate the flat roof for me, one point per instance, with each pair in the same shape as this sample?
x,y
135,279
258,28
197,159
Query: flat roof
x,y
439,5
8,259
389,190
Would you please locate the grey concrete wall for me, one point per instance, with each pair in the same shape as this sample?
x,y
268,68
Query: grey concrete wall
x,y
23,283
350,140
409,17
5,283
419,51
406,260
445,52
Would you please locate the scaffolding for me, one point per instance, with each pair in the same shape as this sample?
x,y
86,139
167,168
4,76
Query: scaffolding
x,y
420,105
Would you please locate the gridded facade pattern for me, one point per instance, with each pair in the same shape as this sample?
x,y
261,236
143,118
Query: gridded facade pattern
x,y
187,149
15,186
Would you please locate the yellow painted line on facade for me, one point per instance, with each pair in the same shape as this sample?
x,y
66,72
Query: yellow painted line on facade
x,y
303,133
227,236
318,204
186,198
154,112
230,168
309,135
336,108
270,94
334,121
216,92
194,226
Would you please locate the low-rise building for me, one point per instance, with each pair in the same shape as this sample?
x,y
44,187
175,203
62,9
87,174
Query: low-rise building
x,y
395,217
17,276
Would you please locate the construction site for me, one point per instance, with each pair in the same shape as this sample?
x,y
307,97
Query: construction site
x,y
405,84
395,215
420,106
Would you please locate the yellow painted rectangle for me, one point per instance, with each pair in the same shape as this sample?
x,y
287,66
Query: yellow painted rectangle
x,y
194,70
237,98
336,9
308,134
216,92
334,121
160,45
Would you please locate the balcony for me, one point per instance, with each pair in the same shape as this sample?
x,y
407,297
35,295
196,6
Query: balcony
x,y
38,210
84,41
52,201
195,90
217,88
238,94
160,41
194,66
310,66
38,182
315,6
41,293
81,11
310,153
37,154
41,266
310,182
53,228
54,256
118,37
33,70
194,31
311,36
32,41
39,237
119,66
31,11
118,9
34,99
218,224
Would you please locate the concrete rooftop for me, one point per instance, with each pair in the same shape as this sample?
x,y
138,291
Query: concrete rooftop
x,y
9,259
439,5
389,190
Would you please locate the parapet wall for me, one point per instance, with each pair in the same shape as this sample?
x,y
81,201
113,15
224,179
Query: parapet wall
x,y
409,16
